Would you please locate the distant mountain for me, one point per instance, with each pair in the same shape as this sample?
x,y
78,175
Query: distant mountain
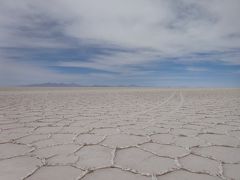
x,y
53,85
73,85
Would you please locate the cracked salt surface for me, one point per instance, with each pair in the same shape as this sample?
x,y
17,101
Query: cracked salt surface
x,y
113,173
110,133
170,151
56,172
200,164
142,161
185,175
18,167
95,156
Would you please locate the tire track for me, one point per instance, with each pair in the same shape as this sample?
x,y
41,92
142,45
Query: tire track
x,y
153,120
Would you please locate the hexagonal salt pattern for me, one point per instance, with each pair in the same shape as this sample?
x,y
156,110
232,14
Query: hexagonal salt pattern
x,y
119,133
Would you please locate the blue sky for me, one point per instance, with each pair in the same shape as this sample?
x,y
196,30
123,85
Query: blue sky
x,y
163,43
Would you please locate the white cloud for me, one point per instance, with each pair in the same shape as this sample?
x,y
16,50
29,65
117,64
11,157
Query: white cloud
x,y
157,30
170,27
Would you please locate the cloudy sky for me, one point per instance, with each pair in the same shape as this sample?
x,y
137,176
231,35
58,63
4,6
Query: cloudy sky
x,y
120,42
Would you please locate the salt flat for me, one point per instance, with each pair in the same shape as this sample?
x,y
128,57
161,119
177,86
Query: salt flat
x,y
119,133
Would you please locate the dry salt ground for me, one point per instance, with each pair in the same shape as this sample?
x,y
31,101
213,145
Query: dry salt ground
x,y
119,133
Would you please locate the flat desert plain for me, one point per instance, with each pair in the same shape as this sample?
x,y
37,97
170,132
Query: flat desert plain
x,y
119,134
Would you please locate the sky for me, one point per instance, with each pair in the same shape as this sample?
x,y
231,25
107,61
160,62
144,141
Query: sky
x,y
162,43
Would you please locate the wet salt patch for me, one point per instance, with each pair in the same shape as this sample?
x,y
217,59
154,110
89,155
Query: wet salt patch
x,y
143,161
